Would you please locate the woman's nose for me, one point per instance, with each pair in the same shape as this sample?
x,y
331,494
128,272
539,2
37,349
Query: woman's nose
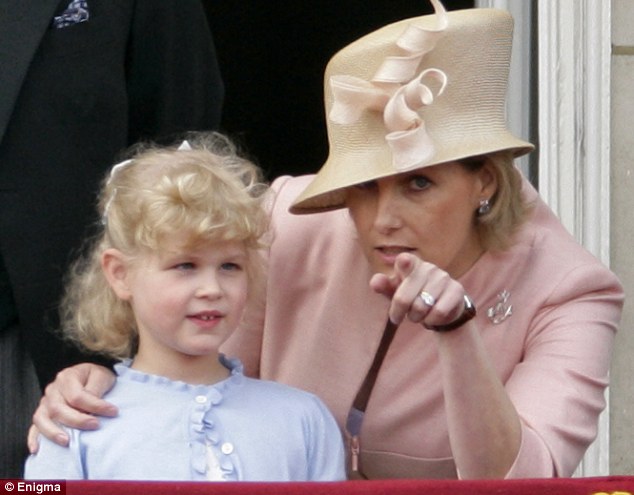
x,y
386,217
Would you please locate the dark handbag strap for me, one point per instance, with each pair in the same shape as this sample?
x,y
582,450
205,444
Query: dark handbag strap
x,y
363,396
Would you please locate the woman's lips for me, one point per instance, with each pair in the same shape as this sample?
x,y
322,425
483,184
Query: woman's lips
x,y
388,254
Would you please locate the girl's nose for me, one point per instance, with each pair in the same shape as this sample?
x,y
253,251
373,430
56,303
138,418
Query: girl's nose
x,y
209,287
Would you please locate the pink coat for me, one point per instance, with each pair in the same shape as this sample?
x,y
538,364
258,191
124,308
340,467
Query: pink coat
x,y
552,351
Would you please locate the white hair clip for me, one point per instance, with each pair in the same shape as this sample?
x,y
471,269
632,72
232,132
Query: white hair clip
x,y
184,146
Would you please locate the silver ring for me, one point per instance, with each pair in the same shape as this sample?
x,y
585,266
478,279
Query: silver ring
x,y
427,298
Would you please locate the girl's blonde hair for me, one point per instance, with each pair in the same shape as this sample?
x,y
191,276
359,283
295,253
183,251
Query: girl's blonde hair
x,y
203,195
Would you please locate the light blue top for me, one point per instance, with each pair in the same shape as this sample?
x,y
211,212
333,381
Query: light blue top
x,y
258,430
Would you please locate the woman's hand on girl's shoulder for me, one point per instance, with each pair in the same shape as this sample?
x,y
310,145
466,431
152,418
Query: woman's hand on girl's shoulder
x,y
73,400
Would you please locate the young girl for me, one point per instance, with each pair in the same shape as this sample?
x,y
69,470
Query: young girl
x,y
165,284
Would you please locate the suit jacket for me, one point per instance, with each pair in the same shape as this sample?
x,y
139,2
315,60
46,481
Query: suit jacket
x,y
319,324
70,100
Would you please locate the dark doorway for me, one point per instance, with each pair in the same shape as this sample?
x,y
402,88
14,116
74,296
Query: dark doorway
x,y
273,54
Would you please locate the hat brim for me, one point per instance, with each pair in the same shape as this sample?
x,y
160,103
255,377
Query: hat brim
x,y
353,169
463,117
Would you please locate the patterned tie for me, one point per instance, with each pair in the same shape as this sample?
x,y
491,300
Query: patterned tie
x,y
76,12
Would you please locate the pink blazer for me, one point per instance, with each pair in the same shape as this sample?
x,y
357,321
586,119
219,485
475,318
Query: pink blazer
x,y
317,326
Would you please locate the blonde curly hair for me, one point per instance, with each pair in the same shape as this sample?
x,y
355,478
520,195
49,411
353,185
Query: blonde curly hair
x,y
205,194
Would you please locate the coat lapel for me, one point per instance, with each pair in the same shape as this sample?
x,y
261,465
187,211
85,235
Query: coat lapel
x,y
22,26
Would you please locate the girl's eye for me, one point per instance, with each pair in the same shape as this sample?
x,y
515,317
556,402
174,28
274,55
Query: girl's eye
x,y
419,182
185,266
231,267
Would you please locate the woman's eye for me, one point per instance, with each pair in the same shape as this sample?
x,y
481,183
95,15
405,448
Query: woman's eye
x,y
419,182
366,186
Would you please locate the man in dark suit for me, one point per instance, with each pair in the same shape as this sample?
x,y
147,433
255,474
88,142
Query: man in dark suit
x,y
79,81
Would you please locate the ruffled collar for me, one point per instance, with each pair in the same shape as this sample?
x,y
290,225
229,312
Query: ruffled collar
x,y
205,432
123,369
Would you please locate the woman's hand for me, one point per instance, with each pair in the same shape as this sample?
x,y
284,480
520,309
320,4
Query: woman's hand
x,y
484,428
73,399
411,277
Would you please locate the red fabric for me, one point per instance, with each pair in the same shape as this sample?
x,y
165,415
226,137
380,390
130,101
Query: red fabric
x,y
560,486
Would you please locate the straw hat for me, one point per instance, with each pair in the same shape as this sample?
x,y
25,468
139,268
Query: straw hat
x,y
413,94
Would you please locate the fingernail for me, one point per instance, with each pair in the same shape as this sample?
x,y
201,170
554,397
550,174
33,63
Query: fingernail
x,y
112,411
394,321
62,439
407,263
92,424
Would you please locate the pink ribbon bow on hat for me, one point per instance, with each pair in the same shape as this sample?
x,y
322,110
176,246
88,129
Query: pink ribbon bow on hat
x,y
399,93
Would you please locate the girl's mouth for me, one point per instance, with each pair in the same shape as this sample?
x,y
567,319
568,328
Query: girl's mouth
x,y
206,317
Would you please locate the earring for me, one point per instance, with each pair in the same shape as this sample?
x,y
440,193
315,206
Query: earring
x,y
484,208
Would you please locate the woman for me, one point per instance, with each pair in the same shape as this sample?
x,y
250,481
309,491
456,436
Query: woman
x,y
370,304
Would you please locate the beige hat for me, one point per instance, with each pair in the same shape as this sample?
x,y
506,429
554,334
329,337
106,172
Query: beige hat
x,y
412,94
